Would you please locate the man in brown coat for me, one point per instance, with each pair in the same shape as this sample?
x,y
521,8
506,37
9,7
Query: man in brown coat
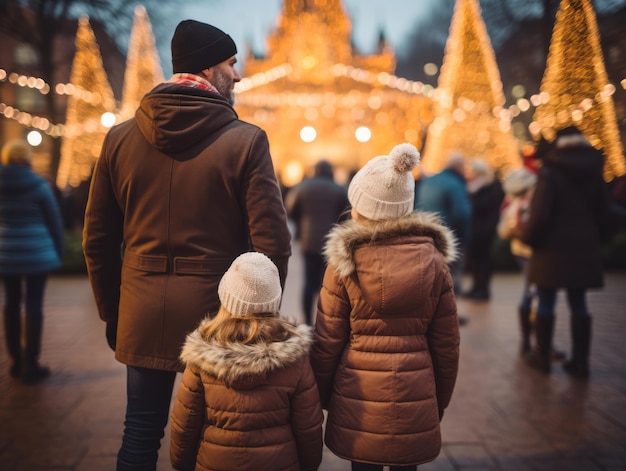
x,y
178,193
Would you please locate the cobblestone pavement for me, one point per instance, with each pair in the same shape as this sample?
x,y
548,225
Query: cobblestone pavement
x,y
503,415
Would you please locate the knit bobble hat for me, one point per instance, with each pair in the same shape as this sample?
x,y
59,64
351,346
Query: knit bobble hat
x,y
251,285
197,46
384,188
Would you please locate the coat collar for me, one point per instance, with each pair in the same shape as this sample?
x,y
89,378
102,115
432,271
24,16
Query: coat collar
x,y
235,362
344,238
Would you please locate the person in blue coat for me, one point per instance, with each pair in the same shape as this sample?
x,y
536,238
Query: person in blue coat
x,y
446,194
31,246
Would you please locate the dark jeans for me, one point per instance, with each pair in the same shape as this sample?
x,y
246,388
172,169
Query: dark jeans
x,y
576,299
149,393
377,467
313,273
35,287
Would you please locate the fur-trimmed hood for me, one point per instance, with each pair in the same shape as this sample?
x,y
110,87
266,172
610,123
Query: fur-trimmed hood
x,y
344,238
245,364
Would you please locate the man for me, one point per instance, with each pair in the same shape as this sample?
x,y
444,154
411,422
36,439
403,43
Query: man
x,y
446,193
179,192
315,205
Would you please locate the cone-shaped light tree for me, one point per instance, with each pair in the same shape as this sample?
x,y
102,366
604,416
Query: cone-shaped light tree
x,y
143,67
575,89
90,97
469,117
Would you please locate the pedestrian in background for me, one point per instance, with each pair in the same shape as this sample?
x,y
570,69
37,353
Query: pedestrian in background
x,y
567,221
486,195
31,246
178,193
386,345
248,398
518,187
315,205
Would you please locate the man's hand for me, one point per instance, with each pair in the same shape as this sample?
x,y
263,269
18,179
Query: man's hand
x,y
111,334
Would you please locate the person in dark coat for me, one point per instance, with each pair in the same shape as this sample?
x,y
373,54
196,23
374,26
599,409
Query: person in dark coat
x,y
567,221
182,189
31,246
315,205
486,196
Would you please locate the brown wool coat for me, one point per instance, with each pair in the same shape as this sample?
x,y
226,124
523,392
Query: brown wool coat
x,y
247,407
386,339
181,190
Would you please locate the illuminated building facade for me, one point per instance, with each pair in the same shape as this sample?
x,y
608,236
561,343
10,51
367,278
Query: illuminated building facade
x,y
317,98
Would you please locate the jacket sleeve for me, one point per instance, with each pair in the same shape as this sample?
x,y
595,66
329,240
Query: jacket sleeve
x,y
187,421
444,340
306,419
102,240
332,331
263,203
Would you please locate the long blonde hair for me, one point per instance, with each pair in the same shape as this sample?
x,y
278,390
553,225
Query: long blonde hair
x,y
263,327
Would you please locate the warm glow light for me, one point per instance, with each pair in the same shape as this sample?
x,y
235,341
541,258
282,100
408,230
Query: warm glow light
x,y
108,119
34,138
308,134
431,69
293,173
363,134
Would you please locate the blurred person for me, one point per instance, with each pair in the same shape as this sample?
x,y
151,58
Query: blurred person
x,y
446,194
518,187
179,192
486,195
386,345
31,246
568,219
315,205
248,398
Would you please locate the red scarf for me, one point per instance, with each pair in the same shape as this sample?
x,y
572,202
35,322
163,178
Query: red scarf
x,y
192,80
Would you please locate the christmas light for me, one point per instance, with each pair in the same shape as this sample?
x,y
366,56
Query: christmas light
x,y
83,132
469,102
575,86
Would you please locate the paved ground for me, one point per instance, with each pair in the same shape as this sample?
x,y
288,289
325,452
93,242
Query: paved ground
x,y
503,416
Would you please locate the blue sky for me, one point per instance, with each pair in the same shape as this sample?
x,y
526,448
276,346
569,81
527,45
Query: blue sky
x,y
252,20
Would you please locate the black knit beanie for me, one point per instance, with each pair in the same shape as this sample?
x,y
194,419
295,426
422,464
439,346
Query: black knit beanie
x,y
197,46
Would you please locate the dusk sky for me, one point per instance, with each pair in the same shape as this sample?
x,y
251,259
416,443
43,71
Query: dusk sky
x,y
252,20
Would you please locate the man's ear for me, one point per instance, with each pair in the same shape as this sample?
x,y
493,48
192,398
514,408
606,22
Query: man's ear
x,y
207,73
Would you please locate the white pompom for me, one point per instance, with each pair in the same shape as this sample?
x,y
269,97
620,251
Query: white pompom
x,y
404,157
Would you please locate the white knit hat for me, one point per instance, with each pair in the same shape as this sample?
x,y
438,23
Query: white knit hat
x,y
251,285
385,188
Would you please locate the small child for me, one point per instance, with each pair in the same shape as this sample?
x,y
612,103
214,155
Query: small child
x,y
386,345
248,398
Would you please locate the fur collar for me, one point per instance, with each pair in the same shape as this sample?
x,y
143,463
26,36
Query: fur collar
x,y
238,362
345,237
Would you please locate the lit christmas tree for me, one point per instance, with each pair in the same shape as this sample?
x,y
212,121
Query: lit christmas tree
x,y
575,89
469,117
90,97
143,67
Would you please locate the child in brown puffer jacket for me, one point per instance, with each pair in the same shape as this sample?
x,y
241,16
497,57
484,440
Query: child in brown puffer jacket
x,y
387,333
248,398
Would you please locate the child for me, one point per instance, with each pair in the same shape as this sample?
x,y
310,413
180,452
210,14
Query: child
x,y
248,398
387,334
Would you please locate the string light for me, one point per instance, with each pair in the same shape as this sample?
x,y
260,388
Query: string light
x,y
575,89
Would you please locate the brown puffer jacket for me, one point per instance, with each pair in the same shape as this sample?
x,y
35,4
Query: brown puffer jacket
x,y
386,339
247,407
185,187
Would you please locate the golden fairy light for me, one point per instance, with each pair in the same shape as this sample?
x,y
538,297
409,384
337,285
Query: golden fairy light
x,y
575,87
469,113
